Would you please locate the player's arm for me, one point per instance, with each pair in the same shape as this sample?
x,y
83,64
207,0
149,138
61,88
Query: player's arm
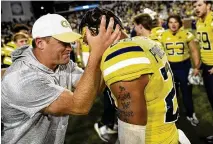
x,y
195,54
130,96
82,99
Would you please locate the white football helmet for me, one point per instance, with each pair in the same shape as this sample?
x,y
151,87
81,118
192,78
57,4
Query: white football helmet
x,y
195,80
150,12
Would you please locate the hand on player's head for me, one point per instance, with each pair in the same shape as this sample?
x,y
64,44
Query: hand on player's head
x,y
105,37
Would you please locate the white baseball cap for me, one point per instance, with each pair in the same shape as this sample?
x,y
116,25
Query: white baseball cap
x,y
56,26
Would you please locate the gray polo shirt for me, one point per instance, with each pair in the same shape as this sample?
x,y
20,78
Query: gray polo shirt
x,y
27,87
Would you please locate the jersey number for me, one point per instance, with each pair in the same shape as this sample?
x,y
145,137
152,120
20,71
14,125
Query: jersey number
x,y
169,116
172,51
203,37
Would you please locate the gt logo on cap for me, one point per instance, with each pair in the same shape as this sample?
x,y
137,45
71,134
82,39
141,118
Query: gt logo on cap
x,y
65,24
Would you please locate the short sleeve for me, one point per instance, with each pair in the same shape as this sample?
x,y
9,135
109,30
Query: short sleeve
x,y
124,63
29,92
189,36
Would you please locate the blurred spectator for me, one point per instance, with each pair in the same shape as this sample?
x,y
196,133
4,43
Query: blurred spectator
x,y
20,39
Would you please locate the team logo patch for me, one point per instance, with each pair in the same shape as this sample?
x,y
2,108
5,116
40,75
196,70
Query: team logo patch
x,y
65,24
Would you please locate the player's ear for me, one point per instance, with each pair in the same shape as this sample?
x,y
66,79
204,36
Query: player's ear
x,y
123,35
141,26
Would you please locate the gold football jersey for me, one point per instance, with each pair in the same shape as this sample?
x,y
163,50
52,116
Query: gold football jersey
x,y
128,60
176,45
84,46
11,44
205,37
156,33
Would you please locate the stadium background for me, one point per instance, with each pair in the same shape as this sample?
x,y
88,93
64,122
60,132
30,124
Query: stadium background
x,y
80,129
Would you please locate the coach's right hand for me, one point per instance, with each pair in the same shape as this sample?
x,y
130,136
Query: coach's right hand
x,y
105,37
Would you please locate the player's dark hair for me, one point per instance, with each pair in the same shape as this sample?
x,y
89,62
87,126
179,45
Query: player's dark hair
x,y
143,19
92,19
177,17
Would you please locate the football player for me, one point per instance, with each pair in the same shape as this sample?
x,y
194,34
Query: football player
x,y
17,29
205,36
156,29
179,44
204,26
19,39
139,76
147,26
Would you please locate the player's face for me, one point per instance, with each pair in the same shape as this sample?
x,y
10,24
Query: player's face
x,y
58,52
173,24
21,42
200,8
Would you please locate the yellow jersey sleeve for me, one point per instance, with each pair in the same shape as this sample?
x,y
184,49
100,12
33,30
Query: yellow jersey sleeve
x,y
124,61
157,31
11,44
30,41
189,36
156,34
84,46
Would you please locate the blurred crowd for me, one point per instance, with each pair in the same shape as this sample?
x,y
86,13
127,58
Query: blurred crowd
x,y
8,28
126,10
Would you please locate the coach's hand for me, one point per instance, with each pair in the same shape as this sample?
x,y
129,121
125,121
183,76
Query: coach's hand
x,y
105,37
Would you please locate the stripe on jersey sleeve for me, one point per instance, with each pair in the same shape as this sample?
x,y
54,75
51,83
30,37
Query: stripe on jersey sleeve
x,y
124,63
123,50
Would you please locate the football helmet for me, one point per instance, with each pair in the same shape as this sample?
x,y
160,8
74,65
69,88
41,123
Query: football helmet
x,y
195,80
